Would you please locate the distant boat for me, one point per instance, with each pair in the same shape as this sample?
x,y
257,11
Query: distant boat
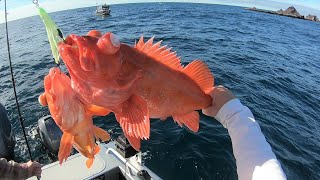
x,y
103,10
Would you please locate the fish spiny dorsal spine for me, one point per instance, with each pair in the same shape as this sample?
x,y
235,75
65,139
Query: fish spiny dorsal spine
x,y
159,53
196,70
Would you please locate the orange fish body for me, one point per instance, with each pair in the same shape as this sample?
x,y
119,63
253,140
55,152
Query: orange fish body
x,y
169,91
136,83
72,116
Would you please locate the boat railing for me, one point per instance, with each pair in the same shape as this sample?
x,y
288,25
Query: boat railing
x,y
123,160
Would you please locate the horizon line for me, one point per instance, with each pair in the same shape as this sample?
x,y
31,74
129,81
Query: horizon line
x,y
48,6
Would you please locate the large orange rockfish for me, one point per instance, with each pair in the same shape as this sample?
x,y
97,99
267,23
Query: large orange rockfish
x,y
73,116
136,83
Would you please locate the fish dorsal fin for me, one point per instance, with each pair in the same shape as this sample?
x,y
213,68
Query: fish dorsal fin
x,y
201,74
162,54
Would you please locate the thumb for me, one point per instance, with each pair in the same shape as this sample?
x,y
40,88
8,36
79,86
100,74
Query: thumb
x,y
208,111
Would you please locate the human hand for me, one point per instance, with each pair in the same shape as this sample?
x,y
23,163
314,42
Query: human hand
x,y
220,95
34,168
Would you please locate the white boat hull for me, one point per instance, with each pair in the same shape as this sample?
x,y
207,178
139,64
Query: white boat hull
x,y
108,164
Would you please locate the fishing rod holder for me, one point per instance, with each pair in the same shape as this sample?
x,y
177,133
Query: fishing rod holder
x,y
124,147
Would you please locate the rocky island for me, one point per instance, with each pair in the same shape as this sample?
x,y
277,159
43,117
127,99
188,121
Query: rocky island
x,y
290,12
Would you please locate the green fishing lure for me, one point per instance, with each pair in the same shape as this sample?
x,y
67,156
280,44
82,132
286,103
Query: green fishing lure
x,y
54,34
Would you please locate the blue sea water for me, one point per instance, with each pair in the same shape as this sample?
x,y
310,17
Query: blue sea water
x,y
270,62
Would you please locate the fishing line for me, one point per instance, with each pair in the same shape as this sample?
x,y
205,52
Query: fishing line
x,y
14,84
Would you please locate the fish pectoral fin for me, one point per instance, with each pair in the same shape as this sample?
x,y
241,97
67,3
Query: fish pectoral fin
x,y
134,141
98,110
191,120
134,119
101,134
201,74
65,147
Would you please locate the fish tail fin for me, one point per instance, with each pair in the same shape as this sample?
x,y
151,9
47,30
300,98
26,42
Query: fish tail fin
x,y
101,134
191,120
134,119
201,74
90,159
65,147
85,144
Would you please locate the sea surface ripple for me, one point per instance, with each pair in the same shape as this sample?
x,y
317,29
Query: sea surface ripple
x,y
270,62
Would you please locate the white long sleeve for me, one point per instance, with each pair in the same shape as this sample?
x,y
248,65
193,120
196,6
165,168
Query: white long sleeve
x,y
254,157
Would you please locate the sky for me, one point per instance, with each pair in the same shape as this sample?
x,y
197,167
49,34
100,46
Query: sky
x,y
23,8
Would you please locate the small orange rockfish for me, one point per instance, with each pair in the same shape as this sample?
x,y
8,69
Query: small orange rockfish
x,y
73,116
136,83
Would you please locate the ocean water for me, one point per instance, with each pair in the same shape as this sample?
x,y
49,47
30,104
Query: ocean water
x,y
270,62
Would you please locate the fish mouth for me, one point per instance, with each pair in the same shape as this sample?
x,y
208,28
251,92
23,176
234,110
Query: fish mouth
x,y
70,52
91,54
77,47
76,41
71,41
108,44
70,47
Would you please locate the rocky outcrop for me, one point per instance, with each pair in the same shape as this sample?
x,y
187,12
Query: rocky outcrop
x,y
312,18
280,12
253,8
291,11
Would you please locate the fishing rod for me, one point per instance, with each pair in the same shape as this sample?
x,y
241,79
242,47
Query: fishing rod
x,y
14,84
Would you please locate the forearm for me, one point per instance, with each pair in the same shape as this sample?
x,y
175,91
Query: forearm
x,y
12,170
254,157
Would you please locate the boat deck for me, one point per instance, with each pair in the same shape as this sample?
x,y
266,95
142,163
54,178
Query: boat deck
x,y
108,164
